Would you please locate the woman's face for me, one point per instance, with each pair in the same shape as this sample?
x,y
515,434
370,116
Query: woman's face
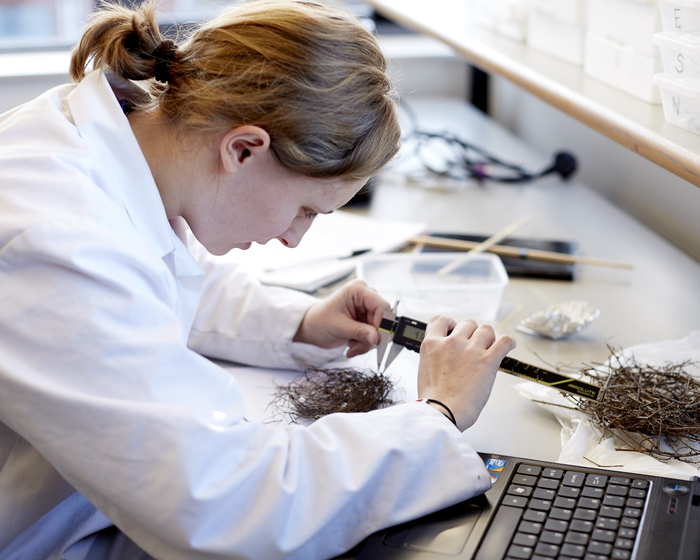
x,y
261,201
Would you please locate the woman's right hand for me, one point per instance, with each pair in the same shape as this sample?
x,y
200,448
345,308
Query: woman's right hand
x,y
459,369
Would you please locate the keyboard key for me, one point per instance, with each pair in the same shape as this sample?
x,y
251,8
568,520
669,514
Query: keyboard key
x,y
556,525
624,543
573,478
600,548
620,554
590,556
627,533
593,492
559,513
573,550
598,480
552,473
581,526
547,550
620,480
552,537
630,522
566,503
589,503
636,493
514,501
614,501
569,492
635,503
607,511
544,494
549,483
604,536
542,505
534,515
616,490
529,469
529,527
523,539
607,523
632,512
585,514
517,490
638,483
519,552
576,538
524,480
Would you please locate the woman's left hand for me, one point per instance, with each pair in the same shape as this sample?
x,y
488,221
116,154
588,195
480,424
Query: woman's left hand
x,y
350,317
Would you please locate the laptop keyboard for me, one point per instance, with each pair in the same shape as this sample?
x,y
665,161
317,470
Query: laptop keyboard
x,y
568,514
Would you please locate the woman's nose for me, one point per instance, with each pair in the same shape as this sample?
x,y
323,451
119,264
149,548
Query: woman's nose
x,y
293,236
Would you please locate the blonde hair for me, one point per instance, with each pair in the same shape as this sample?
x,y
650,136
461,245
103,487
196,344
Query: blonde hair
x,y
312,76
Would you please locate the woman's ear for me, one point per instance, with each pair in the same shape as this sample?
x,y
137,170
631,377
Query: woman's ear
x,y
242,143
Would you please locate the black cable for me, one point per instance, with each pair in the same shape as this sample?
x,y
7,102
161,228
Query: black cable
x,y
462,160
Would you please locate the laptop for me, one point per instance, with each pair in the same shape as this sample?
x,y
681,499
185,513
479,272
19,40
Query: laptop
x,y
538,510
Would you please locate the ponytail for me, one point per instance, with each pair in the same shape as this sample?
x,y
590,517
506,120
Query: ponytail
x,y
123,40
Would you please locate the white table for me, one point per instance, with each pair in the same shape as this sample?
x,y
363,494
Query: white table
x,y
657,300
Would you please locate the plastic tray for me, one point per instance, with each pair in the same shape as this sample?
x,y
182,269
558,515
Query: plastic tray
x,y
472,290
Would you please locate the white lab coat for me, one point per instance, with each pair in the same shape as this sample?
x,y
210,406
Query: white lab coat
x,y
104,390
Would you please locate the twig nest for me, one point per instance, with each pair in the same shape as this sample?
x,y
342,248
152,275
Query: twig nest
x,y
651,409
319,392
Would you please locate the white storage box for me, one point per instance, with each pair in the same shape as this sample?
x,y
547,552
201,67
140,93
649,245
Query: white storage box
x,y
629,22
680,16
681,101
503,17
622,67
472,290
569,11
556,38
680,54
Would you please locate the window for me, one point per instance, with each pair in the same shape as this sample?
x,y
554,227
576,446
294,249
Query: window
x,y
47,24
42,24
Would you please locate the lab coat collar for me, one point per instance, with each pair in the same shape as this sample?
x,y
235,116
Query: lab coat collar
x,y
100,120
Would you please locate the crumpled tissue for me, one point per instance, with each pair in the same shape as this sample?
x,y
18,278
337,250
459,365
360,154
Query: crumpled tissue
x,y
561,320
581,441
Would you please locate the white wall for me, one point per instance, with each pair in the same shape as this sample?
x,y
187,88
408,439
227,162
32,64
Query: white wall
x,y
659,199
17,90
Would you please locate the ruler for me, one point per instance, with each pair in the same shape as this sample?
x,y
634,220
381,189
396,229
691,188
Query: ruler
x,y
404,332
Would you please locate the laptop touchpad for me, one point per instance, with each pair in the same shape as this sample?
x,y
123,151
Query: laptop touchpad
x,y
440,533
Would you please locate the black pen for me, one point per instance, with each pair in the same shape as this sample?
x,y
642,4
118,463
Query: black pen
x,y
312,262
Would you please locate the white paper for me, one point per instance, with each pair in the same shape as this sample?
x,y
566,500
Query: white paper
x,y
331,236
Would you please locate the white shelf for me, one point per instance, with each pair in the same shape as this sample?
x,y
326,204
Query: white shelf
x,y
633,123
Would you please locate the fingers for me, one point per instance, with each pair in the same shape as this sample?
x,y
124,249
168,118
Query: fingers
x,y
503,345
483,335
439,326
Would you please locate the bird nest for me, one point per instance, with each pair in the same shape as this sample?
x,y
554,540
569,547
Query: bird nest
x,y
319,392
651,409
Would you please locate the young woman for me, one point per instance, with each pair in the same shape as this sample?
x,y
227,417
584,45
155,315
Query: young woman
x,y
118,439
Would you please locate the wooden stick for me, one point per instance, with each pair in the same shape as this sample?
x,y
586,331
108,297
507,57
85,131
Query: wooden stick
x,y
516,252
484,245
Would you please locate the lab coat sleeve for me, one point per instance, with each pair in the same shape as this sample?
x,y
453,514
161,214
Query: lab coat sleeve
x,y
241,320
96,376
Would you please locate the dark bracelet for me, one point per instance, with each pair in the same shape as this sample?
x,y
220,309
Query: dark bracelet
x,y
449,414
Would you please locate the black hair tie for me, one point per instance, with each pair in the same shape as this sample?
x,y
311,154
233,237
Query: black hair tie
x,y
164,55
